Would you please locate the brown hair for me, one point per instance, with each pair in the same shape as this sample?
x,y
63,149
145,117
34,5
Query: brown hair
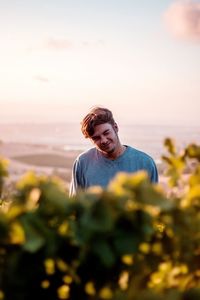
x,y
96,116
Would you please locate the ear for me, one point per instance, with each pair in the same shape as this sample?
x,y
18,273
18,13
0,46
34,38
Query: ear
x,y
116,127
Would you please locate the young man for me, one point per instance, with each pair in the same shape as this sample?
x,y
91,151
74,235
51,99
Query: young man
x,y
98,165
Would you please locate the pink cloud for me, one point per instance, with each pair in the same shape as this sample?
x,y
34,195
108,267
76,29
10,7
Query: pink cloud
x,y
183,19
96,43
41,78
65,44
58,44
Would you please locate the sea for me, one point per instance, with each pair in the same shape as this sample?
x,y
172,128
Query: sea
x,y
68,136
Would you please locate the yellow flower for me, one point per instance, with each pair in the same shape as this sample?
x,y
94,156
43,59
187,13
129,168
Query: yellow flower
x,y
45,284
17,234
1,295
157,248
127,259
90,289
29,178
144,248
61,264
106,293
63,292
123,280
49,266
63,228
67,279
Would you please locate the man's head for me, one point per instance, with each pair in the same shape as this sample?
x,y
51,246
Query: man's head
x,y
99,125
97,116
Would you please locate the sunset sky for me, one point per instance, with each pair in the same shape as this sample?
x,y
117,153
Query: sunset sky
x,y
141,59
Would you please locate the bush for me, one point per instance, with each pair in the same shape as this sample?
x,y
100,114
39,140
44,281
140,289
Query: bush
x,y
131,241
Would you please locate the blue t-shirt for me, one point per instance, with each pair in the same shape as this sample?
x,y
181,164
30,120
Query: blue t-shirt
x,y
91,168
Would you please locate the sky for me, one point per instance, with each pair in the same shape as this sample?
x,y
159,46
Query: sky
x,y
141,59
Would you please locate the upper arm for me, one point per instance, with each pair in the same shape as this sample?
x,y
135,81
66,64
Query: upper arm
x,y
75,181
154,173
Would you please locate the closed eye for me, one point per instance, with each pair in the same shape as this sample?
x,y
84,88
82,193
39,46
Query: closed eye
x,y
106,132
96,138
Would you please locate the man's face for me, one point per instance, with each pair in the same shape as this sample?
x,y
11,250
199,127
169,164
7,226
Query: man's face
x,y
106,138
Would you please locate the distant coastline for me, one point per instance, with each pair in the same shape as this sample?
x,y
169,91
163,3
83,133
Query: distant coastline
x,y
50,149
147,138
43,160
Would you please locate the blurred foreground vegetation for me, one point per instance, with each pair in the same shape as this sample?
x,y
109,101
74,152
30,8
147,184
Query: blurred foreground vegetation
x,y
132,241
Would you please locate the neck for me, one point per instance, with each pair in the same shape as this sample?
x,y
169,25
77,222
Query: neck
x,y
116,153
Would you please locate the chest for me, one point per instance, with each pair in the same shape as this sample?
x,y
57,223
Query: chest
x,y
101,173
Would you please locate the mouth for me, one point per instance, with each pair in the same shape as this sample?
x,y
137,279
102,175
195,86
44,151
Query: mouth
x,y
106,147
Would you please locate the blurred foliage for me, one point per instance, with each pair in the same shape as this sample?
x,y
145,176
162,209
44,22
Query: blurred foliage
x,y
3,174
132,241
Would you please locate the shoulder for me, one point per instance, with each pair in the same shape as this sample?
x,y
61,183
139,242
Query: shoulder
x,y
83,159
141,157
138,153
87,154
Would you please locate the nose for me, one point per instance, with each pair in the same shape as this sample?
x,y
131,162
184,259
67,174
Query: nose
x,y
103,140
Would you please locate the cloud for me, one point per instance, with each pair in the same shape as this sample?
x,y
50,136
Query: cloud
x,y
58,44
183,20
41,78
65,44
96,43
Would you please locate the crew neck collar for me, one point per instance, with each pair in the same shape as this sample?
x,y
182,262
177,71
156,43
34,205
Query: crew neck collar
x,y
115,159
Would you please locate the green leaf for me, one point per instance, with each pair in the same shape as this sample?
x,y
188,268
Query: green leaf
x,y
103,250
35,238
